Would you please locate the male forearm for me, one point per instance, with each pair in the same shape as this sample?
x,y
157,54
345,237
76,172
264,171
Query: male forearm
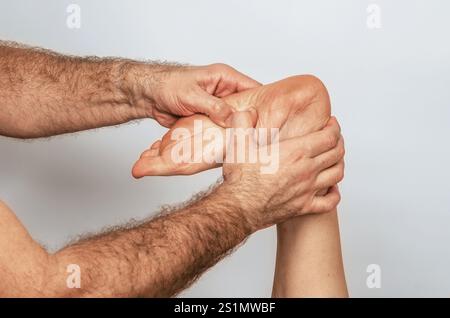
x,y
43,93
155,259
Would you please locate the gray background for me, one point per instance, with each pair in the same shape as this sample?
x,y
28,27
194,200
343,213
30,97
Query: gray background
x,y
389,88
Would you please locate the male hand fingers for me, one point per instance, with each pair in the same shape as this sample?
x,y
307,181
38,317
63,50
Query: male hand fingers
x,y
231,77
243,82
326,203
199,101
311,145
333,122
243,119
330,176
331,157
321,141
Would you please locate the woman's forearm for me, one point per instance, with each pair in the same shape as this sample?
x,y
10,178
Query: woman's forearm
x,y
309,261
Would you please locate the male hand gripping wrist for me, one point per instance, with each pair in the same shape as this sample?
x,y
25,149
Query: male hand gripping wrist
x,y
307,165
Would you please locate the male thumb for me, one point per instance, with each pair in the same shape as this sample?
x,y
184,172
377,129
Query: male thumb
x,y
241,122
244,119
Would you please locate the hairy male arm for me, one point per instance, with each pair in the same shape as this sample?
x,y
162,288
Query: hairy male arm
x,y
162,256
157,258
43,93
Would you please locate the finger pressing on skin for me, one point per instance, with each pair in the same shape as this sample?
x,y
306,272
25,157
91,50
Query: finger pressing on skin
x,y
330,176
200,101
239,120
243,119
331,157
326,203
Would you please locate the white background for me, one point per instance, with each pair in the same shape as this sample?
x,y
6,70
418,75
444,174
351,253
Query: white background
x,y
389,89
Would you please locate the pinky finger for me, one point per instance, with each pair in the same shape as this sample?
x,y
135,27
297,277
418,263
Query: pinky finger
x,y
326,203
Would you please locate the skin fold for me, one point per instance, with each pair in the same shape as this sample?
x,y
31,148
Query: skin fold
x,y
309,261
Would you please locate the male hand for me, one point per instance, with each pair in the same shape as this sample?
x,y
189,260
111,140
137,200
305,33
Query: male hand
x,y
186,90
307,165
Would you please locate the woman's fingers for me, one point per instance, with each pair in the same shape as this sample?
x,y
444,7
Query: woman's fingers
x,y
331,176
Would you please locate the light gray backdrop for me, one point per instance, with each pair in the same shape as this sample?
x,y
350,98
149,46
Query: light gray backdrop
x,y
389,89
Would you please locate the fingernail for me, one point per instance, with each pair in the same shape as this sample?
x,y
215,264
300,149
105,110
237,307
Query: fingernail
x,y
229,119
254,115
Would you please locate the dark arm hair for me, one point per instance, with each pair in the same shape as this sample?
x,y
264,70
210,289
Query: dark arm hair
x,y
154,258
43,93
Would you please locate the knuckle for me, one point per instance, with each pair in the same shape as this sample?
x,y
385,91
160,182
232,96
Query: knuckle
x,y
336,157
331,140
322,161
307,170
341,151
305,149
304,174
339,175
219,67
